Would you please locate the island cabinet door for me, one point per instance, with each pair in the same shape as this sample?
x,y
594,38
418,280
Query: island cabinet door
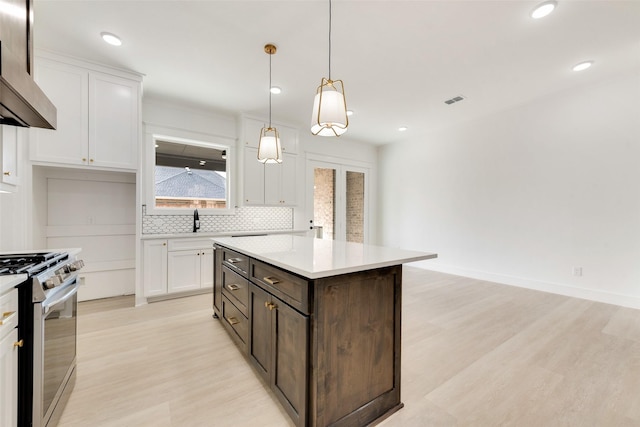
x,y
260,331
289,372
279,350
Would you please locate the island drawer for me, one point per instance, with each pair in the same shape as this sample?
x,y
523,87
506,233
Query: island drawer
x,y
235,261
235,288
235,322
289,288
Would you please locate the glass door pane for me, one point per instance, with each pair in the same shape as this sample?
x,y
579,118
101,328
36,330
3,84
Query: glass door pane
x,y
355,203
324,202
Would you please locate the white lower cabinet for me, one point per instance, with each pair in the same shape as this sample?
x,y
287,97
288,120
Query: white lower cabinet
x,y
154,269
9,347
9,379
190,270
177,265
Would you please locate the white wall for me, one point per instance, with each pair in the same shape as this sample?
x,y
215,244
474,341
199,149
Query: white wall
x,y
524,196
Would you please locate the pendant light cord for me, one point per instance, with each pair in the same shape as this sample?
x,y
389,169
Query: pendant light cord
x,y
270,55
329,39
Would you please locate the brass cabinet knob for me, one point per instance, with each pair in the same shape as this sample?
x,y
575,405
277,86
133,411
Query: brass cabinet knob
x,y
8,173
84,159
18,343
91,160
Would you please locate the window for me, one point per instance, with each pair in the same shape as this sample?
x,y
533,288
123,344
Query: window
x,y
186,174
190,176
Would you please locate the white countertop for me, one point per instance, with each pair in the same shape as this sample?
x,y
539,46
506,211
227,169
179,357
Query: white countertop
x,y
9,281
316,258
205,234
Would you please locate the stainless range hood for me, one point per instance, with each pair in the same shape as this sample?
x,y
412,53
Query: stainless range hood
x,y
22,102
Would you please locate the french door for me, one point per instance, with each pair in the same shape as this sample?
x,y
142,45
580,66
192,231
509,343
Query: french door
x,y
338,201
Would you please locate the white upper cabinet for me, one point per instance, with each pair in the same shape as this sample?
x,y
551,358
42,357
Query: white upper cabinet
x,y
9,136
113,121
269,184
98,116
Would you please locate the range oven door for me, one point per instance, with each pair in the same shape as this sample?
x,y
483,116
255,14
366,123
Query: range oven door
x,y
54,357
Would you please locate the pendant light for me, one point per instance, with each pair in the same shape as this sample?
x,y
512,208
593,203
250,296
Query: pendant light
x,y
269,148
329,117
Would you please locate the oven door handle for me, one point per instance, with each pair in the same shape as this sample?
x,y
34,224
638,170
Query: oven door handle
x,y
46,306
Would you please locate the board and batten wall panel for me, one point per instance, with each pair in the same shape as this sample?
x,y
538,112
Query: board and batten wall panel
x,y
96,212
530,196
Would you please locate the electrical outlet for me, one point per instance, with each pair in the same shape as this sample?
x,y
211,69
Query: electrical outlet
x,y
577,271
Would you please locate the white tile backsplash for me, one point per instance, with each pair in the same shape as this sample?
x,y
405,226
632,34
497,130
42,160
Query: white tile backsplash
x,y
248,218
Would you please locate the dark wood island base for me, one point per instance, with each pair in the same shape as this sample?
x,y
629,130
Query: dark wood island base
x,y
329,347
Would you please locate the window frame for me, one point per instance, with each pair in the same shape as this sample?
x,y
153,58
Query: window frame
x,y
179,136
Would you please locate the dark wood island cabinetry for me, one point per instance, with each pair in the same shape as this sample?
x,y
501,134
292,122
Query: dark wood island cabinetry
x,y
327,342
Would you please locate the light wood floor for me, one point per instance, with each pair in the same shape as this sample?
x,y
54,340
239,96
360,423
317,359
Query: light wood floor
x,y
473,354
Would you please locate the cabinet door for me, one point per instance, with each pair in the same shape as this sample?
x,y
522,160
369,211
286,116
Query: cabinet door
x,y
9,142
67,87
288,180
183,271
9,379
280,181
288,139
113,121
154,267
260,330
253,174
251,132
273,182
206,268
290,359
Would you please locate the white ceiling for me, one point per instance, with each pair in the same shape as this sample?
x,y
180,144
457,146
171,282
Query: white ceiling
x,y
399,60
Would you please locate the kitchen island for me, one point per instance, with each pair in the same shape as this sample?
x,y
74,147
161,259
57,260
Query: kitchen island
x,y
319,320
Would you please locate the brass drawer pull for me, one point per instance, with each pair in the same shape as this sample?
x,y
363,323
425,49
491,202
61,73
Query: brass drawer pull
x,y
271,281
234,260
232,320
270,305
6,315
18,343
232,287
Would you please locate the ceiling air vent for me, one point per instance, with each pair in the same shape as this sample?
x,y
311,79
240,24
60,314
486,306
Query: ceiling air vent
x,y
454,100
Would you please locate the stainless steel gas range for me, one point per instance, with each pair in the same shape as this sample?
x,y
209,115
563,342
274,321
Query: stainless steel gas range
x,y
47,323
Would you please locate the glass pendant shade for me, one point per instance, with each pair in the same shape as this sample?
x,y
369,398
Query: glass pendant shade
x,y
269,148
329,117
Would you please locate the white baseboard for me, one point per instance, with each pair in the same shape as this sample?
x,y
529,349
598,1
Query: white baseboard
x,y
554,288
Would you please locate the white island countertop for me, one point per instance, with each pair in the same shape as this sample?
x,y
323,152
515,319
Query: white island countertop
x,y
317,258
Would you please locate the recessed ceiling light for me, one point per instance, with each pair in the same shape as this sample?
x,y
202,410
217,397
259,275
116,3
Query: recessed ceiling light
x,y
582,66
110,38
275,90
543,9
402,128
349,112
